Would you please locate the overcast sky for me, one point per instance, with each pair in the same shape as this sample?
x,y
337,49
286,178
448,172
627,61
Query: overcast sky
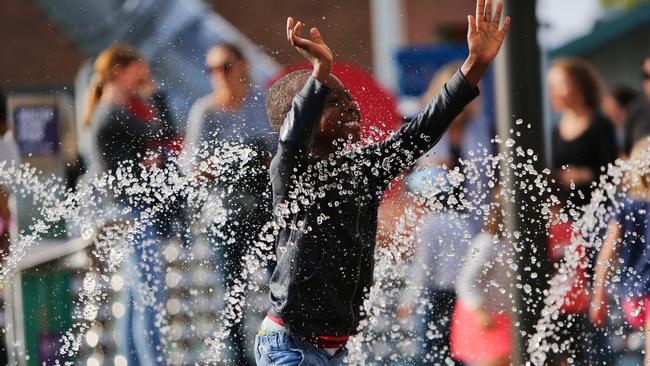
x,y
564,20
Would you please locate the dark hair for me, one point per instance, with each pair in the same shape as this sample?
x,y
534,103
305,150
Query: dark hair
x,y
584,78
622,94
3,108
280,95
116,56
234,50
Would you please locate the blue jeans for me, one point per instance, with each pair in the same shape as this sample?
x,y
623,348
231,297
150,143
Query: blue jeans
x,y
281,349
143,297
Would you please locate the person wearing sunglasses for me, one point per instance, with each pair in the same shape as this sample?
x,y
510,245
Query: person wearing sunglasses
x,y
235,107
231,121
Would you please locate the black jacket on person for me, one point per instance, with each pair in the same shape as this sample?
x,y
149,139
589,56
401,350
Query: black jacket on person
x,y
637,124
327,209
594,149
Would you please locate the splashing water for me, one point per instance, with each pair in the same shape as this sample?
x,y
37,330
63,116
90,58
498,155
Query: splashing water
x,y
381,338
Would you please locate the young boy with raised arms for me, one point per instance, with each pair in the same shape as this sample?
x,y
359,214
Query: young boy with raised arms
x,y
326,192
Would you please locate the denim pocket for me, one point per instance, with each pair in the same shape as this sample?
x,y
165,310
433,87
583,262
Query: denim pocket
x,y
277,349
286,357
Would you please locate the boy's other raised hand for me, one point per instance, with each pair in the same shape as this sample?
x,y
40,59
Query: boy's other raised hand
x,y
314,50
484,39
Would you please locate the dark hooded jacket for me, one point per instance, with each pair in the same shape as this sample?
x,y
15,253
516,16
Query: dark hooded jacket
x,y
327,209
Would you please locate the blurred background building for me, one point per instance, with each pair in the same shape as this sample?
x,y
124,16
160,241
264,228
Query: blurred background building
x,y
46,44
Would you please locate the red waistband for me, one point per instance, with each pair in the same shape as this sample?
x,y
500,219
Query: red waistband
x,y
318,341
275,319
327,341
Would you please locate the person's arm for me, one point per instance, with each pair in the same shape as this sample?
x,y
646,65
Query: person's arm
x,y
195,146
484,39
299,128
301,124
604,265
418,136
577,174
469,282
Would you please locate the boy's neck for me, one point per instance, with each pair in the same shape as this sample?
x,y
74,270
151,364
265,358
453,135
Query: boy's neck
x,y
321,150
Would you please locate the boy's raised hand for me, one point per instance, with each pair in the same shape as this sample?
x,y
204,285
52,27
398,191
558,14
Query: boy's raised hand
x,y
484,39
314,50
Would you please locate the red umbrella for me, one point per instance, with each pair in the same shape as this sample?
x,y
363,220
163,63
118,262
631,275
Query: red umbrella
x,y
378,108
379,114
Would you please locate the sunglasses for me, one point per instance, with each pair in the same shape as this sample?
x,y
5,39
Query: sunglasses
x,y
645,75
225,68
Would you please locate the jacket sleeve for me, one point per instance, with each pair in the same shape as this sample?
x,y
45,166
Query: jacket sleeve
x,y
297,135
414,138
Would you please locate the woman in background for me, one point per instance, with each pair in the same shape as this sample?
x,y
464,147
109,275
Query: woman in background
x,y
584,140
582,143
122,137
626,250
234,115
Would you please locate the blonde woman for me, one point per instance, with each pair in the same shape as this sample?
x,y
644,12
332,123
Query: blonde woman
x,y
627,243
120,136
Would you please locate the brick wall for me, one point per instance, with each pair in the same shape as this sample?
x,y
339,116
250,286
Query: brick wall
x,y
345,25
426,19
33,53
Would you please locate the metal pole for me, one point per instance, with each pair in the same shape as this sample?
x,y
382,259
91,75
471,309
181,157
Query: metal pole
x,y
518,96
387,36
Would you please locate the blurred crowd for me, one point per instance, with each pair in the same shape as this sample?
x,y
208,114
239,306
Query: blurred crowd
x,y
461,263
457,263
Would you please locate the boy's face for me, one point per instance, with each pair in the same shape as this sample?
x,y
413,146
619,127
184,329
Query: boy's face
x,y
341,116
